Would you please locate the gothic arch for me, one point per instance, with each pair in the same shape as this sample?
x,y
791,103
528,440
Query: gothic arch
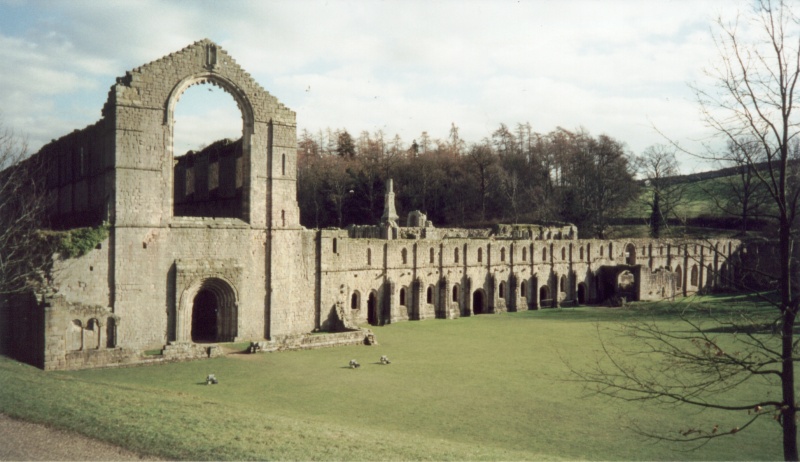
x,y
246,111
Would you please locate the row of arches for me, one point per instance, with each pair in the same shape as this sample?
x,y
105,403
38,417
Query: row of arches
x,y
91,334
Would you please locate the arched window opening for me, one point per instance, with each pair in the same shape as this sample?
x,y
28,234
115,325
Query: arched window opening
x,y
562,285
355,301
334,245
75,337
694,276
480,254
429,295
544,254
524,254
455,254
369,257
580,252
601,250
610,250
455,293
630,254
501,292
404,255
522,290
432,255
92,334
678,277
502,254
563,253
402,296
208,165
283,218
283,164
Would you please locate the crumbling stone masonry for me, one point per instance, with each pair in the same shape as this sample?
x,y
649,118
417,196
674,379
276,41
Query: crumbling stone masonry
x,y
208,248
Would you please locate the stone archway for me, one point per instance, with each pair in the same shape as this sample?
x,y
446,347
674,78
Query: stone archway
x,y
479,302
544,296
581,294
209,312
205,310
211,182
372,309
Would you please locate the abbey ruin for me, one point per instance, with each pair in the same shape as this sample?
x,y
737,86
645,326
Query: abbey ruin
x,y
208,248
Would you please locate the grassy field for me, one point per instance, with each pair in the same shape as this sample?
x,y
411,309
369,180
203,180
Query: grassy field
x,y
487,387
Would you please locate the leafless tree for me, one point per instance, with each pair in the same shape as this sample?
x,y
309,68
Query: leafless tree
x,y
658,167
22,207
752,102
742,194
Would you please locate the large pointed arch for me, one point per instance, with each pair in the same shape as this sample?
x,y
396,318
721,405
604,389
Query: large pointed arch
x,y
245,108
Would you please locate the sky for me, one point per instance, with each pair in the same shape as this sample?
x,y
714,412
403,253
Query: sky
x,y
621,68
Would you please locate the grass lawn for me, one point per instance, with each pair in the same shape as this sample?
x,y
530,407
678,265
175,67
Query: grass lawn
x,y
486,387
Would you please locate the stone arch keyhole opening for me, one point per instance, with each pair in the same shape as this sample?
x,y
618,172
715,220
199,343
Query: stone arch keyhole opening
x,y
208,152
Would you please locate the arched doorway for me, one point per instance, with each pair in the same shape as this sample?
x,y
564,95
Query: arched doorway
x,y
204,317
630,254
478,302
581,294
209,312
544,295
372,309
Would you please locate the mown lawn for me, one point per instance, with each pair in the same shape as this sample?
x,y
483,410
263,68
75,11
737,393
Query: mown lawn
x,y
491,387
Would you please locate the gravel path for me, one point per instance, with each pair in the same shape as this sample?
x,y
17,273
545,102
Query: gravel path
x,y
21,440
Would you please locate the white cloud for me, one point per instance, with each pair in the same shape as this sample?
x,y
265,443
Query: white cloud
x,y
612,67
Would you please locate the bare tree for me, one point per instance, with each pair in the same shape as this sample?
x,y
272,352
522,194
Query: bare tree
x,y
707,356
658,167
22,207
742,194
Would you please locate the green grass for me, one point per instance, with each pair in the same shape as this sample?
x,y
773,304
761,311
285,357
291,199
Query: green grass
x,y
491,387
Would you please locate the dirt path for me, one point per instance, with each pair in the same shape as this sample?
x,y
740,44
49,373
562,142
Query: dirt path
x,y
21,440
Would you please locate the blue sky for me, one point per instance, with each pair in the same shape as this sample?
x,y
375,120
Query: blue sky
x,y
614,67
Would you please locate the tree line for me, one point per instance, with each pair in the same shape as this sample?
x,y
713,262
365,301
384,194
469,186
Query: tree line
x,y
514,175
